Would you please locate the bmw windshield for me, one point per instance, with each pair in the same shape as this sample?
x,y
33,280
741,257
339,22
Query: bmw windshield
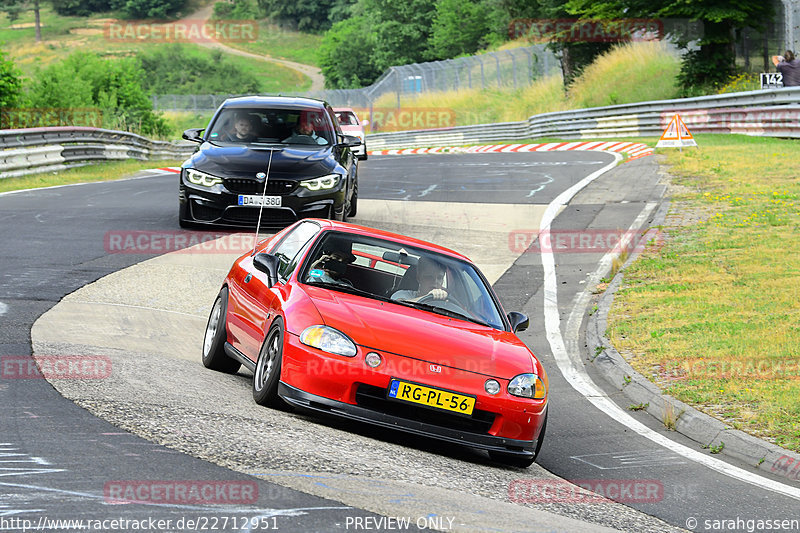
x,y
300,127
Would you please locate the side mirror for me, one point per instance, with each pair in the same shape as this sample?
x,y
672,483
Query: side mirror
x,y
351,140
193,134
519,322
365,122
268,264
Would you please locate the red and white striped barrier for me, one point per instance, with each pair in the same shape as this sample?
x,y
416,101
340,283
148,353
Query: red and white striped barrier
x,y
633,150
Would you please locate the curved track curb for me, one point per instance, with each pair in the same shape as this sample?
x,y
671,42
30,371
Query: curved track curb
x,y
632,149
704,429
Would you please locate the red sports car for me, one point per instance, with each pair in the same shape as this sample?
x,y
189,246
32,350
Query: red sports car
x,y
380,328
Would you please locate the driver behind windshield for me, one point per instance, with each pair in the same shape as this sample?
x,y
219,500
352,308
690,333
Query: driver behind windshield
x,y
430,277
243,129
332,264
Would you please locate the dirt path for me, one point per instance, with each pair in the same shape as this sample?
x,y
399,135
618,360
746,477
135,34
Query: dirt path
x,y
317,80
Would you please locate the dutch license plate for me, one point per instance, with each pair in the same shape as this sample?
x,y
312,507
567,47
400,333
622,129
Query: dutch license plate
x,y
253,199
438,398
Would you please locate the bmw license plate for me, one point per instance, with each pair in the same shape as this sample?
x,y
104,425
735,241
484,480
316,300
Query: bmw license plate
x,y
257,200
437,398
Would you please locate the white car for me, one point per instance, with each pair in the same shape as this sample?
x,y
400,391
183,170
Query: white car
x,y
348,121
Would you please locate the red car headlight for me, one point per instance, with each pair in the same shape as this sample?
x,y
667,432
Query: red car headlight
x,y
328,340
527,386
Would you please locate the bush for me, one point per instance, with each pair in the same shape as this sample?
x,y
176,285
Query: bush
x,y
176,69
114,87
237,10
741,83
81,8
149,9
10,83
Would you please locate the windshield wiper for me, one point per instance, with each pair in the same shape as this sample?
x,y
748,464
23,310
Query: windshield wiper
x,y
443,311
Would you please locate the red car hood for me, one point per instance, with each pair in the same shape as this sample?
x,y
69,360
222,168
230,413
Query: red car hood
x,y
390,327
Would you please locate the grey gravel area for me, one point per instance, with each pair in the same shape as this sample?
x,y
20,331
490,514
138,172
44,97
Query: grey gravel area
x,y
180,404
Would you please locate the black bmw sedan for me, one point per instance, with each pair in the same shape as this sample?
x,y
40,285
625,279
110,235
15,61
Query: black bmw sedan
x,y
292,147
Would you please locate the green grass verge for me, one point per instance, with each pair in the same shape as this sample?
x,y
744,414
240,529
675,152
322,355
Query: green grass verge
x,y
111,170
623,75
63,35
274,41
712,314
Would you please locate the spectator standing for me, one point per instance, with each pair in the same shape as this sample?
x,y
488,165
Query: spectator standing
x,y
789,67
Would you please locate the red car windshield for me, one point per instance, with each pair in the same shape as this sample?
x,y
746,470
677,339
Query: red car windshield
x,y
407,275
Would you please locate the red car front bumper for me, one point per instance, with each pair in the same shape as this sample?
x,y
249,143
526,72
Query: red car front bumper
x,y
348,387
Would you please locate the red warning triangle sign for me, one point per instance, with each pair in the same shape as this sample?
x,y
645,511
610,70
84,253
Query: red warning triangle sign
x,y
676,134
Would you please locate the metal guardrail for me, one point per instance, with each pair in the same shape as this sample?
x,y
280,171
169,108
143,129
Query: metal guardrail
x,y
29,151
770,113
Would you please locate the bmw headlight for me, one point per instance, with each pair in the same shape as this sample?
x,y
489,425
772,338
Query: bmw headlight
x,y
201,178
527,386
329,340
325,182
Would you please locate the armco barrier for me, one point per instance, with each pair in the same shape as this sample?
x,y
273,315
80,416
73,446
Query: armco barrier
x,y
28,151
771,113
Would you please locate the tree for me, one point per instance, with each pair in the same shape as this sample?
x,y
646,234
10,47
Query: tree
x,y
574,54
381,34
13,8
714,61
459,27
401,29
346,57
304,16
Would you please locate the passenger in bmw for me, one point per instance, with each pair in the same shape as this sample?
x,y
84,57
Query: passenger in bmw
x,y
305,132
430,276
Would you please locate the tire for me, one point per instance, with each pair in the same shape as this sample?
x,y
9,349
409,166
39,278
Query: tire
x,y
353,202
214,356
268,367
521,461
